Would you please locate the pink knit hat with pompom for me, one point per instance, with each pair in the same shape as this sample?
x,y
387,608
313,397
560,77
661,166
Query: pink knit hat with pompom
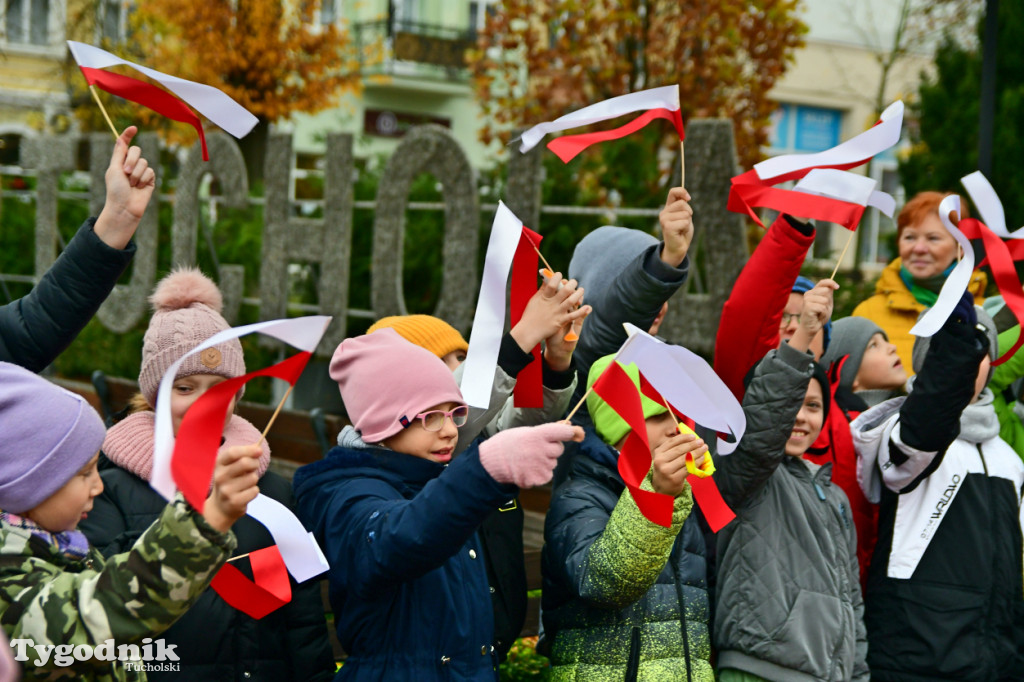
x,y
186,307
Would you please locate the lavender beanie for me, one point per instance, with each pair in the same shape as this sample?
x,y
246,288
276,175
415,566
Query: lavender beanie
x,y
186,307
47,434
385,381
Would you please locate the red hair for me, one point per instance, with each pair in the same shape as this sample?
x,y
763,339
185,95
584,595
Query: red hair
x,y
921,206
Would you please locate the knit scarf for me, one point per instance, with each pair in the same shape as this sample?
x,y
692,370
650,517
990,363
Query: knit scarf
x,y
129,443
925,291
70,543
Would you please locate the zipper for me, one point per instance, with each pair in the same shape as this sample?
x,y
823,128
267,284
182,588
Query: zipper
x,y
633,663
682,612
982,456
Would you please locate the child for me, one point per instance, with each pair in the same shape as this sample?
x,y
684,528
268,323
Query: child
x,y
944,596
548,317
789,603
625,598
57,590
867,371
35,329
215,641
397,515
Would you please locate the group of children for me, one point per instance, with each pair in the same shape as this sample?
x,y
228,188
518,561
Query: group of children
x,y
874,535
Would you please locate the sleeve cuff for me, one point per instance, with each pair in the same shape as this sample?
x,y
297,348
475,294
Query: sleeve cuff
x,y
794,358
89,233
511,358
806,229
662,271
558,380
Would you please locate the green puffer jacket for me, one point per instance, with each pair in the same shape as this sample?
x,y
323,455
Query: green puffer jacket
x,y
619,590
52,599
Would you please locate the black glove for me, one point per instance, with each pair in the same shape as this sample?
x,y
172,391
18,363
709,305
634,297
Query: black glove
x,y
964,313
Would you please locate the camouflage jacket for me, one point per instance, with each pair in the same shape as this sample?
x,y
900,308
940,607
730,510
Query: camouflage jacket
x,y
54,600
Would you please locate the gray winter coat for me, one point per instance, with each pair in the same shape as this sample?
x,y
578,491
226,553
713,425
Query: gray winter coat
x,y
789,604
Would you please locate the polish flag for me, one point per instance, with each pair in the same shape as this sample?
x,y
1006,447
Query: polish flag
x,y
655,103
999,254
512,247
209,101
825,190
186,462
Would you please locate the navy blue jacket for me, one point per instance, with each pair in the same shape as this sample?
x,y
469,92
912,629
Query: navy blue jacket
x,y
408,585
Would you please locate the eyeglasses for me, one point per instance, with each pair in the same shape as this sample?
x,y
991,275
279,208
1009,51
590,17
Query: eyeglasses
x,y
434,419
787,318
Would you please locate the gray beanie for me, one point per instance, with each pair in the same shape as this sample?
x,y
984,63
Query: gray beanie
x,y
921,343
850,336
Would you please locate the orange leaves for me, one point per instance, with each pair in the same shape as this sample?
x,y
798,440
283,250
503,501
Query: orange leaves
x,y
539,59
266,54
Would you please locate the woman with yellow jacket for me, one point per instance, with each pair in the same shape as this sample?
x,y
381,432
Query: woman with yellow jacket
x,y
911,283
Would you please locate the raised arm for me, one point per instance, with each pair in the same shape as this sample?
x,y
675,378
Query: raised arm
x,y
749,326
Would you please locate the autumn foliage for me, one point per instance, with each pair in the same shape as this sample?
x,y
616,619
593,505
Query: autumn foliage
x,y
539,59
268,55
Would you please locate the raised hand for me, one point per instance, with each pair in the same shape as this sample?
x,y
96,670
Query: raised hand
x,y
815,314
676,226
130,184
554,306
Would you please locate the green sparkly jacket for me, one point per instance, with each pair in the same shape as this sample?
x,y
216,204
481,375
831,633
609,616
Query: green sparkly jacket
x,y
619,590
52,599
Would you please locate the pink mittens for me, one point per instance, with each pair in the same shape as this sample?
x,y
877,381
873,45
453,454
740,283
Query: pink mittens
x,y
525,456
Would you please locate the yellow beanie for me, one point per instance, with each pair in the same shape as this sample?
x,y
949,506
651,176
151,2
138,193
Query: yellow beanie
x,y
609,425
426,331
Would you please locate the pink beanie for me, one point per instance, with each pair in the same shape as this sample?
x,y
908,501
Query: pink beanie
x,y
385,381
186,305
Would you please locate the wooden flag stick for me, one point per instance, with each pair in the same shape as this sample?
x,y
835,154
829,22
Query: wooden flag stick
x,y
276,412
664,401
842,255
568,417
682,163
543,259
240,556
95,95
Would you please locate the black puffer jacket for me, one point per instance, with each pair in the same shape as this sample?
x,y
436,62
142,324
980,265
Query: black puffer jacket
x,y
37,328
215,641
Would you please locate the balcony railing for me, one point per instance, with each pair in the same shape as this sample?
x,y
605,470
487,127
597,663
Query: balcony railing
x,y
442,47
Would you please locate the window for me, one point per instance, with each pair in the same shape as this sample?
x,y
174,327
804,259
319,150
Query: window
x,y
113,20
27,21
798,128
328,12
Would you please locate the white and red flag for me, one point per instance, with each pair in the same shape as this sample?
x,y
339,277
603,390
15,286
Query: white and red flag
x,y
186,462
999,256
215,105
825,190
655,103
512,255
